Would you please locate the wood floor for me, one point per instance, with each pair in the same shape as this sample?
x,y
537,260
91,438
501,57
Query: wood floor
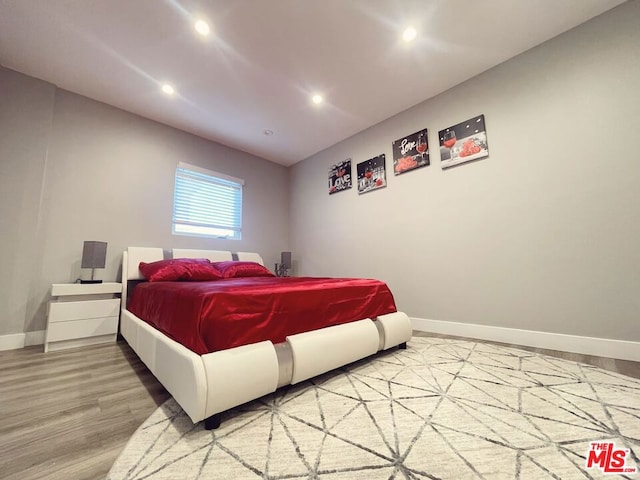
x,y
67,415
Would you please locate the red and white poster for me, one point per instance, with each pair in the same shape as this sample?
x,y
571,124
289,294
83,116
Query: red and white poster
x,y
411,152
463,142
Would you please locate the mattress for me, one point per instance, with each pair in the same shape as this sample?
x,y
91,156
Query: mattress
x,y
211,316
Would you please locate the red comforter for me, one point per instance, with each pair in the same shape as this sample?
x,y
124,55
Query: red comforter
x,y
210,316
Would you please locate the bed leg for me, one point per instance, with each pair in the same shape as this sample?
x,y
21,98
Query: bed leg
x,y
212,422
402,346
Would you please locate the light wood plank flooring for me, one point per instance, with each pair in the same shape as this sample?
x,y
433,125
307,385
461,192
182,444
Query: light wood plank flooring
x,y
68,414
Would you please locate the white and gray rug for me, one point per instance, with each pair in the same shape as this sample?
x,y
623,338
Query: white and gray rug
x,y
442,409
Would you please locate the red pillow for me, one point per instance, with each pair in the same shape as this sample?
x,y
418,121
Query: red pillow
x,y
171,270
235,269
202,271
163,270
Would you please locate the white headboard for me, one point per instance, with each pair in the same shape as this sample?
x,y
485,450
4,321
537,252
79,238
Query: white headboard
x,y
137,255
250,257
212,255
131,259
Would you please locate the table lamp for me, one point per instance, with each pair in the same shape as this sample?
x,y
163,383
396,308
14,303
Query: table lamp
x,y
94,255
282,269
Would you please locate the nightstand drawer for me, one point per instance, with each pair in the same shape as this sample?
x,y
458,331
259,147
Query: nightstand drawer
x,y
63,311
82,328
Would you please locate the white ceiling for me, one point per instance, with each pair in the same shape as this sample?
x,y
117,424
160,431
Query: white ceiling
x,y
265,58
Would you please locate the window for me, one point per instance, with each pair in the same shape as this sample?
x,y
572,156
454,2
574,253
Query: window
x,y
207,203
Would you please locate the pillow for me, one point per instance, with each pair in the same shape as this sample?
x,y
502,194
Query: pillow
x,y
171,270
235,269
201,271
163,270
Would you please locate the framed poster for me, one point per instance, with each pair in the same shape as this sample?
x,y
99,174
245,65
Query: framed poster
x,y
340,177
371,174
463,142
410,152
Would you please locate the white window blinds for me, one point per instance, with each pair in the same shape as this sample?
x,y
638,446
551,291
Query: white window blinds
x,y
207,203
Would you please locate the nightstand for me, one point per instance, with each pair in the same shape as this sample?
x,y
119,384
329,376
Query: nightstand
x,y
82,314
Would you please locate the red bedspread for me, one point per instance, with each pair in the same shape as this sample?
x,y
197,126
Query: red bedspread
x,y
210,316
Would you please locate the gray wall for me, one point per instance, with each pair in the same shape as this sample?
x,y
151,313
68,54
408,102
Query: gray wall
x,y
82,170
542,235
26,111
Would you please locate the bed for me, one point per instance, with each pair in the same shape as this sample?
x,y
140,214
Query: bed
x,y
207,384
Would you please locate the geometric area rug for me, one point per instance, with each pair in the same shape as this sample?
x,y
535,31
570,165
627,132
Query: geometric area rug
x,y
441,409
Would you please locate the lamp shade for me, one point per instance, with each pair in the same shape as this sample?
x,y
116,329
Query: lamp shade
x,y
285,259
94,254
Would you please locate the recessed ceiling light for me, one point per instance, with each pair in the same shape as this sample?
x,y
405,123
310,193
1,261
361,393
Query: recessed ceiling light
x,y
267,132
168,89
409,34
202,28
317,99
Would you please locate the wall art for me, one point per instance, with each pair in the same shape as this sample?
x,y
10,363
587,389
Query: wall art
x,y
372,174
340,177
411,152
463,142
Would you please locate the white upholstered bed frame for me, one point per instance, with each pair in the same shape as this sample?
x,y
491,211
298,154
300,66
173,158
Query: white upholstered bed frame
x,y
206,385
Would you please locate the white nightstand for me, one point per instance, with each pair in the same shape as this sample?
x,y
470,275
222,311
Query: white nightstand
x,y
82,314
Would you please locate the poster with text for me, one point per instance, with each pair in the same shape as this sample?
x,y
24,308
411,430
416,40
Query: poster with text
x,y
371,174
463,142
340,177
411,152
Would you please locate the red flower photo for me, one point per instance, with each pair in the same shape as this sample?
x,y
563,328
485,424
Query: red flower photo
x,y
463,142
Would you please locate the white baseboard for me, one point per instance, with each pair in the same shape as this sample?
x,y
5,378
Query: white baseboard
x,y
601,347
21,340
